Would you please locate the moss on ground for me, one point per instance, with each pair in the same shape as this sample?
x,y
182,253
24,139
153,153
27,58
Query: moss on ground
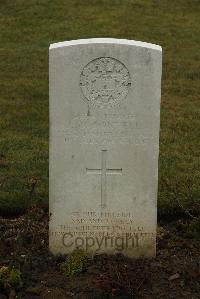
x,y
10,279
74,263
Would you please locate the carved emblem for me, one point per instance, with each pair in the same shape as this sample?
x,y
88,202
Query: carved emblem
x,y
105,81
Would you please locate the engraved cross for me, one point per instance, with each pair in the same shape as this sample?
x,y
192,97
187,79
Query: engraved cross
x,y
103,171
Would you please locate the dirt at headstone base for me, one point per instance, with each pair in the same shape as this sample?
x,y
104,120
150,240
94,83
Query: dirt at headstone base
x,y
174,273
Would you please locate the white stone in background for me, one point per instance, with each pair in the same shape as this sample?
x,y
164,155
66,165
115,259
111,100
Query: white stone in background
x,y
104,145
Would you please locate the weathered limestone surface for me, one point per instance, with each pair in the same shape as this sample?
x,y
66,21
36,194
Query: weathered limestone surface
x,y
104,145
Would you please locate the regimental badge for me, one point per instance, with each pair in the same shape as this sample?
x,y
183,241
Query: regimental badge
x,y
105,82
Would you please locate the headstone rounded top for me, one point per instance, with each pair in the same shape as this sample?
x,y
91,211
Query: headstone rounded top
x,y
105,81
105,41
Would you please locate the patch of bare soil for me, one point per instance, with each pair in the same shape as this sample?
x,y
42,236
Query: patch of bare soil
x,y
174,273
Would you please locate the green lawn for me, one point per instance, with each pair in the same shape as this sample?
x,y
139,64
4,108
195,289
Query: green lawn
x,y
27,29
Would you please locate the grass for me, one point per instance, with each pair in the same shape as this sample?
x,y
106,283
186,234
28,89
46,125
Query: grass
x,y
27,29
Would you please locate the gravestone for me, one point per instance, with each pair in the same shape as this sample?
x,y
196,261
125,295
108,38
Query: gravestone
x,y
104,146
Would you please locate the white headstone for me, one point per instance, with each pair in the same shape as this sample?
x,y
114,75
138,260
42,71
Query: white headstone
x,y
104,145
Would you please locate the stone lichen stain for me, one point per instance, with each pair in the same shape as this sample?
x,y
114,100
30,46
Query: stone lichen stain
x,y
88,111
134,199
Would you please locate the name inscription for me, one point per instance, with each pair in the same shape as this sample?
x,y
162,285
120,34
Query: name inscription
x,y
108,129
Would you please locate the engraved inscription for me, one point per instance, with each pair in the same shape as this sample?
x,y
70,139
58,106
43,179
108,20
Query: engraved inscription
x,y
103,230
105,82
107,129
